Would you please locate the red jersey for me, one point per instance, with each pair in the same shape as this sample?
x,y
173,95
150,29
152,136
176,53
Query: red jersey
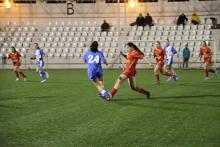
x,y
15,57
132,59
159,54
206,53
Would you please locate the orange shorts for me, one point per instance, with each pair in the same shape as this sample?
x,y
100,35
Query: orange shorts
x,y
207,60
160,63
129,73
17,63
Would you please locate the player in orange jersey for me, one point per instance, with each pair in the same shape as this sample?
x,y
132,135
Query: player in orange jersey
x,y
133,55
159,55
206,52
15,57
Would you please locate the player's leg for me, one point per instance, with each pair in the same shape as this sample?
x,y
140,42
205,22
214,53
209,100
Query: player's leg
x,y
16,72
102,91
156,73
21,73
118,83
206,71
132,84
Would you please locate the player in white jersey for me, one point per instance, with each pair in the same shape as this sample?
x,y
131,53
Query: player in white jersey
x,y
169,52
38,56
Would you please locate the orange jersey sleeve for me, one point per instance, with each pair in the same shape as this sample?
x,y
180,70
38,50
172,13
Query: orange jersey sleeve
x,y
159,54
14,56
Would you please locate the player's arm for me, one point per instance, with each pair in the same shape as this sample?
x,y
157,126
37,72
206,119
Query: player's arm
x,y
105,62
147,61
125,56
200,54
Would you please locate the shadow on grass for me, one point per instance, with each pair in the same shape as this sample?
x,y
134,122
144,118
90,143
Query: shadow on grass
x,y
168,100
56,82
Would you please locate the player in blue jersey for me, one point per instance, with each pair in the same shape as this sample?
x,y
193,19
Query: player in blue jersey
x,y
170,52
38,56
93,57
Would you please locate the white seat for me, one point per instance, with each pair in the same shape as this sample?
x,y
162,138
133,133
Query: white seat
x,y
193,27
139,33
43,39
69,39
65,34
65,50
52,34
12,44
157,38
102,39
142,44
15,39
23,34
109,39
67,29
19,44
56,39
48,29
54,44
48,44
158,33
180,27
152,33
54,29
132,33
78,34
97,34
89,39
207,32
199,32
179,33
186,33
23,50
84,34
172,33
110,34
17,34
76,39
61,44
107,44
60,29
187,27
26,44
201,27
173,27
153,28
74,44
67,44
64,55
192,32
167,27
58,34
143,37
192,37
95,38
83,39
208,27
52,50
79,29
151,38
30,34
21,39
178,37
73,29
171,37
86,29
70,55
5,44
72,34
63,39
113,44
2,39
59,50
160,28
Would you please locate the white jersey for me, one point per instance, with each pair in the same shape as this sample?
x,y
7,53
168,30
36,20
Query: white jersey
x,y
170,51
39,54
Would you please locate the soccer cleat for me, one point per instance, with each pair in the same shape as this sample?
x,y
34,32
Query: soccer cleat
x,y
47,75
25,79
148,94
169,79
17,79
206,78
216,73
43,81
157,82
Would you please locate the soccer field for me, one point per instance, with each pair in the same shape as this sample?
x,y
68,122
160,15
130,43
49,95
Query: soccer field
x,y
66,111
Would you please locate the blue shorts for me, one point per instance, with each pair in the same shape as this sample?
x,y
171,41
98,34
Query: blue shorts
x,y
169,61
40,64
95,74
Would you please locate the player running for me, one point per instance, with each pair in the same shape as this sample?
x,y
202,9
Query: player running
x,y
16,60
38,56
169,52
93,57
159,55
130,70
206,52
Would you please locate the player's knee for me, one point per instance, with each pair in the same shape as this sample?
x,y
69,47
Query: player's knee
x,y
120,78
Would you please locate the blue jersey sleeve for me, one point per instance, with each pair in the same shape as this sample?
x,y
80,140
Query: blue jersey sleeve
x,y
102,57
85,58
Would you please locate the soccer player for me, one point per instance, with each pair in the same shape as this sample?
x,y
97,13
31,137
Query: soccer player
x,y
206,52
38,56
169,52
15,57
93,57
133,55
159,55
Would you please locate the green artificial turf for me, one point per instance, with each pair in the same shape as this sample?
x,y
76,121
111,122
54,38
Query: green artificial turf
x,y
66,111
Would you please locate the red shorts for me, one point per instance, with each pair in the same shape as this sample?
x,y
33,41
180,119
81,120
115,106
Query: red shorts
x,y
129,73
160,63
207,60
17,63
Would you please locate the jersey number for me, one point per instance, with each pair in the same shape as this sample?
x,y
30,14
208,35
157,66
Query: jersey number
x,y
93,59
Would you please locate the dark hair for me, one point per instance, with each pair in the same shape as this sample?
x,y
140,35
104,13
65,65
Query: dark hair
x,y
204,42
132,45
13,48
94,46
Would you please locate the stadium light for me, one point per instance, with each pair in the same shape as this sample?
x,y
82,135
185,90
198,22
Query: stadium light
x,y
8,4
132,3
